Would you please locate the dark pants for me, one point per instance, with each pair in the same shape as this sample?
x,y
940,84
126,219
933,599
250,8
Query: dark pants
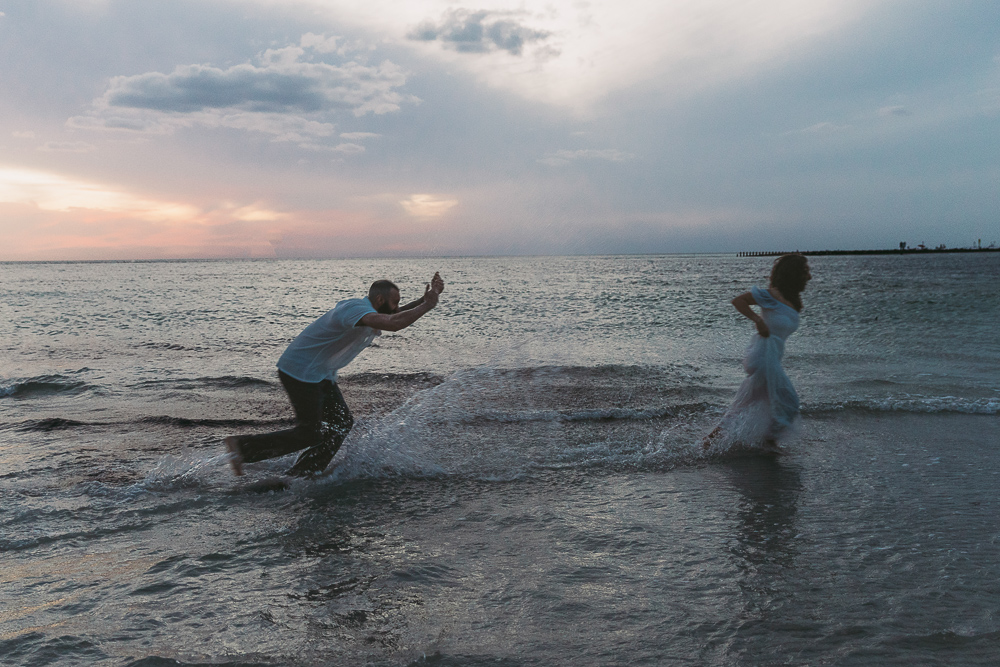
x,y
322,422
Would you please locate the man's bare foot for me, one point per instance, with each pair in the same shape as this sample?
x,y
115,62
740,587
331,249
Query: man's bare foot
x,y
235,454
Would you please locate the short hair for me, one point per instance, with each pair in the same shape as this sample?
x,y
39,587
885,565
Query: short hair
x,y
381,288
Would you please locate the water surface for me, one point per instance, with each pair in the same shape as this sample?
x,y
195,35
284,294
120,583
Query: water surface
x,y
524,484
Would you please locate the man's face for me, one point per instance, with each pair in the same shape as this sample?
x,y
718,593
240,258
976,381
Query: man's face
x,y
388,306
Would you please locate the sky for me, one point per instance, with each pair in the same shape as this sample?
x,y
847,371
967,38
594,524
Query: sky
x,y
360,128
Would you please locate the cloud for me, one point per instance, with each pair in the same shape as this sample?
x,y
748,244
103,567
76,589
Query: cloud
x,y
56,216
357,136
27,134
251,213
66,147
290,128
275,87
479,32
577,53
321,43
427,206
32,233
562,157
349,148
824,127
894,111
55,192
289,93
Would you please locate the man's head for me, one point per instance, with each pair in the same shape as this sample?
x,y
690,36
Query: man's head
x,y
384,296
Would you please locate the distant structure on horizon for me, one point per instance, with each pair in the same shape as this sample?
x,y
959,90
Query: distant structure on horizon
x,y
903,249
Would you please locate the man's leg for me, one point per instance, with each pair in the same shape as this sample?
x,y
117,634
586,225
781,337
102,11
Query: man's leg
x,y
308,399
337,423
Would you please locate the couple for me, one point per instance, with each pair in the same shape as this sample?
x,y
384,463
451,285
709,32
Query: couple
x,y
765,404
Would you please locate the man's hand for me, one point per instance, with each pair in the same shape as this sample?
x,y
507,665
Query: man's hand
x,y
408,314
431,295
436,285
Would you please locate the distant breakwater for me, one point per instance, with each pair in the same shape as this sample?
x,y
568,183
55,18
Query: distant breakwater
x,y
887,251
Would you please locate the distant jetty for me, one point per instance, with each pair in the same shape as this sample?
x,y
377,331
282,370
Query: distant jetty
x,y
887,251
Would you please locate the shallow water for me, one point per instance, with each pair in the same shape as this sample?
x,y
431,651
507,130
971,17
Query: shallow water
x,y
524,483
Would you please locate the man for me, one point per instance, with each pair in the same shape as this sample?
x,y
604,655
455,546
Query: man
x,y
308,372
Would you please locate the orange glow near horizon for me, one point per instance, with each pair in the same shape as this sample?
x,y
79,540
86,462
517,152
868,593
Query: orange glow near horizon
x,y
49,216
54,192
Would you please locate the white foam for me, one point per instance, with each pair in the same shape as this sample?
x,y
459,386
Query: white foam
x,y
915,403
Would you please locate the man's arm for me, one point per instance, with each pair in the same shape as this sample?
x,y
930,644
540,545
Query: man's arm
x,y
436,283
401,319
411,305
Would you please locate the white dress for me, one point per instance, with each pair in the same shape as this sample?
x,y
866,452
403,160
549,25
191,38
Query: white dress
x,y
766,403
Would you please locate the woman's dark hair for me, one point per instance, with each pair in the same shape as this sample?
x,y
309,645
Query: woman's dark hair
x,y
788,276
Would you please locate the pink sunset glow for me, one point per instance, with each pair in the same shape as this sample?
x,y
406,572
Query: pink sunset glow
x,y
332,129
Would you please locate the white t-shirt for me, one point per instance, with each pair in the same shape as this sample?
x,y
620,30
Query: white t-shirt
x,y
329,343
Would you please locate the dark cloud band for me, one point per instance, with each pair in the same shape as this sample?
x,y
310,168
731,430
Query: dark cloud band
x,y
479,32
273,88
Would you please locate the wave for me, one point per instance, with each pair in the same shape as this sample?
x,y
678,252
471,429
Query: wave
x,y
375,378
429,437
187,422
34,527
590,415
53,424
913,404
627,373
429,434
470,418
63,424
243,381
171,346
43,385
223,382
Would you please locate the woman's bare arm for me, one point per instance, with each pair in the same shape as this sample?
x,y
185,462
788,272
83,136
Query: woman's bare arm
x,y
742,304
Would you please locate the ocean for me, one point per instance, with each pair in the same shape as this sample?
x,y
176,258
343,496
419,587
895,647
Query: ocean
x,y
524,484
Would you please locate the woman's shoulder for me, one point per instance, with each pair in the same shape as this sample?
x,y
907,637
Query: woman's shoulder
x,y
768,297
763,297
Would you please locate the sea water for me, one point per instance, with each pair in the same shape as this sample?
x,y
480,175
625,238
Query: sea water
x,y
524,484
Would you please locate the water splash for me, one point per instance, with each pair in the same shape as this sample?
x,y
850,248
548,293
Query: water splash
x,y
172,473
496,424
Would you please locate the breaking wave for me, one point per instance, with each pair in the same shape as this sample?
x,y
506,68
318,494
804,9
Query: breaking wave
x,y
43,385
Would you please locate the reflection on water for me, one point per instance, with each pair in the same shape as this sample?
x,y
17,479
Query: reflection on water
x,y
764,550
764,546
769,489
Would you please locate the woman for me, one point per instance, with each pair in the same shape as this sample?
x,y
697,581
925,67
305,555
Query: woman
x,y
766,403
